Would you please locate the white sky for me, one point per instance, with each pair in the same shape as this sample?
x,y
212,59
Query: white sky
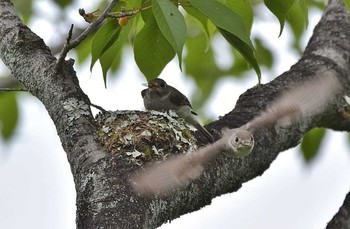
x,y
37,189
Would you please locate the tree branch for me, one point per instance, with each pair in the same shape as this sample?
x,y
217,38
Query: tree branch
x,y
12,89
93,26
32,63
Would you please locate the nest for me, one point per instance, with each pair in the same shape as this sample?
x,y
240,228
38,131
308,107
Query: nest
x,y
142,136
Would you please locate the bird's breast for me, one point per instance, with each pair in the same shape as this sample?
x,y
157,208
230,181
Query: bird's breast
x,y
153,101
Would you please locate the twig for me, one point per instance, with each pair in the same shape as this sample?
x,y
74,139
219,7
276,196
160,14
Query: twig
x,y
94,25
25,90
64,51
13,89
97,107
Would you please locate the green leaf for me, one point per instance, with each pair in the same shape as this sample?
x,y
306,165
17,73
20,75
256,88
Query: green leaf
x,y
297,17
246,51
84,49
109,57
104,39
347,4
133,4
304,11
112,57
231,27
243,8
147,12
311,143
240,65
264,54
8,114
63,3
223,18
171,23
152,51
24,8
280,9
201,18
200,64
200,61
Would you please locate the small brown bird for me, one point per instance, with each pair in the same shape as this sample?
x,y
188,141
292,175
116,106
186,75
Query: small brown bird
x,y
160,96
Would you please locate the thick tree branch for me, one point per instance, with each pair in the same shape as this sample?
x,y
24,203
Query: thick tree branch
x,y
31,61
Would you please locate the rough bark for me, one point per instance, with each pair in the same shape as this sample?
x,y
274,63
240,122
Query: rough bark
x,y
104,195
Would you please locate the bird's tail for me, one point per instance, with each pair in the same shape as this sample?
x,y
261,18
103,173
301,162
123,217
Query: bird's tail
x,y
204,131
192,119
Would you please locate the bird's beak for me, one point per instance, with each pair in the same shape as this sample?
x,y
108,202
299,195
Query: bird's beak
x,y
149,85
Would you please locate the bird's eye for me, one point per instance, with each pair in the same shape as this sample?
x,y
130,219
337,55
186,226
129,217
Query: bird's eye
x,y
162,84
236,139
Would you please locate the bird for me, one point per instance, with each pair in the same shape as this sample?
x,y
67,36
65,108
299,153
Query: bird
x,y
162,178
296,104
160,96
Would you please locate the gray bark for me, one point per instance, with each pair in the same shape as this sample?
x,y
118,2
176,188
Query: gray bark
x,y
104,195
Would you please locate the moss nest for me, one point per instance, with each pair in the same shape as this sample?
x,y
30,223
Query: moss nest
x,y
141,136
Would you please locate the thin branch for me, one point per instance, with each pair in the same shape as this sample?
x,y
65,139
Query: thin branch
x,y
93,26
97,107
126,14
13,89
65,50
26,90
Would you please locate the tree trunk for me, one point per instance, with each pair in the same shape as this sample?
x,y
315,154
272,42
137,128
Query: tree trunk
x,y
104,195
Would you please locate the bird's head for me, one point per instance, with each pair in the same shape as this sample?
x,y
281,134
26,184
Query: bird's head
x,y
240,143
156,84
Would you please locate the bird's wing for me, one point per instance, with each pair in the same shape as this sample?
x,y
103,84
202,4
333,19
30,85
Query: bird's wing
x,y
178,98
177,171
299,102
